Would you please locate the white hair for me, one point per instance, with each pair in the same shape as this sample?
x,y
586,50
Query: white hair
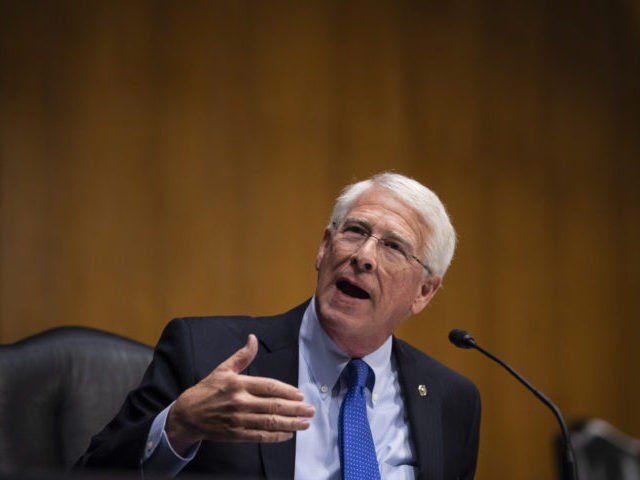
x,y
441,241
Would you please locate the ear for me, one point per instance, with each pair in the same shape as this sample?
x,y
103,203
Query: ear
x,y
324,246
427,290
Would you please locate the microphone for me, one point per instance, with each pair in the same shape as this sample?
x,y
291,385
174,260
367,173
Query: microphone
x,y
462,339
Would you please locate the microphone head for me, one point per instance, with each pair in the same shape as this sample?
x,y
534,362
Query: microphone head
x,y
461,339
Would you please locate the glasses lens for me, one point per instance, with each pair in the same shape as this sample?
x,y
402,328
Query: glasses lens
x,y
392,252
352,238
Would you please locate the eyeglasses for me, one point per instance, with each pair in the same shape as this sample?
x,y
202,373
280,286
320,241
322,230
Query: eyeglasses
x,y
352,236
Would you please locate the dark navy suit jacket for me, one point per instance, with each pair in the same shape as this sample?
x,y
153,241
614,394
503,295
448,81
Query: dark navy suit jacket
x,y
444,423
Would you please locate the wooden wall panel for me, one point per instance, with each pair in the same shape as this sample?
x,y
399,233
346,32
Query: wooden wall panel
x,y
169,158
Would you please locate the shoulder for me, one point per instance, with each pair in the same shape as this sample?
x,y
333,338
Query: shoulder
x,y
208,340
207,328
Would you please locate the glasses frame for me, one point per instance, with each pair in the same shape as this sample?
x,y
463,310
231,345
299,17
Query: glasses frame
x,y
381,241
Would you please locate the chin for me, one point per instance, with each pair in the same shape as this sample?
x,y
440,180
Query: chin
x,y
336,320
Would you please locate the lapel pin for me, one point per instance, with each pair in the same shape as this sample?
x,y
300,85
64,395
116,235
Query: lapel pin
x,y
422,390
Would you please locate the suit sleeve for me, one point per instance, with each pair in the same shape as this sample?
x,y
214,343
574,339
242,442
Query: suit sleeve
x,y
120,445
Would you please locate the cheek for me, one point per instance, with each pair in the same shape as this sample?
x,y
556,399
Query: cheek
x,y
332,259
326,266
403,291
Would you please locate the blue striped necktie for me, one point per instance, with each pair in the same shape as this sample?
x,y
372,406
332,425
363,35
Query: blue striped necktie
x,y
357,453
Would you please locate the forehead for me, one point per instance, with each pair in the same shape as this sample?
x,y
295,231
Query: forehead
x,y
389,214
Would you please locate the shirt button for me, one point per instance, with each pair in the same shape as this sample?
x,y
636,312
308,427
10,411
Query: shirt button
x,y
324,389
149,446
374,397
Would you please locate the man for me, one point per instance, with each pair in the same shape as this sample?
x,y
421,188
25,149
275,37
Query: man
x,y
219,396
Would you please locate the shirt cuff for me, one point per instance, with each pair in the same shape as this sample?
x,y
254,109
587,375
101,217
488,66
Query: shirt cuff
x,y
159,456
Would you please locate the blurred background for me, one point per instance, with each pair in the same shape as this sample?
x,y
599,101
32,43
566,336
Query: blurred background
x,y
164,158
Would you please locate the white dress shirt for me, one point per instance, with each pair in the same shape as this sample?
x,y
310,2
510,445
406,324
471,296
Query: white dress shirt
x,y
320,366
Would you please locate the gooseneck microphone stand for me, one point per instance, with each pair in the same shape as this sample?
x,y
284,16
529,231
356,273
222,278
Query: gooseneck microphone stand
x,y
462,339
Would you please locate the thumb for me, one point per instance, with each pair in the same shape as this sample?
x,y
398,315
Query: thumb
x,y
242,358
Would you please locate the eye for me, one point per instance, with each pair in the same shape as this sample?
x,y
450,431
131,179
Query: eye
x,y
394,247
355,230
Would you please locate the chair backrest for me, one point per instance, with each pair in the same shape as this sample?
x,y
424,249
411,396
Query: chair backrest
x,y
603,452
59,388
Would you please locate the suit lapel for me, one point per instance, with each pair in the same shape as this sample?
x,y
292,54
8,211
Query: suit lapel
x,y
278,358
420,392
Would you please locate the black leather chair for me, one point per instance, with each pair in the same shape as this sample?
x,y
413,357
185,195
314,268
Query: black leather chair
x,y
59,388
603,452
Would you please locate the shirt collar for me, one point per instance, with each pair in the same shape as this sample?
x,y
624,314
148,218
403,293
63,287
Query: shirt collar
x,y
325,359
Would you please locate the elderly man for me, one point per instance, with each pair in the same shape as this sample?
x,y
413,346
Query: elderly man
x,y
323,391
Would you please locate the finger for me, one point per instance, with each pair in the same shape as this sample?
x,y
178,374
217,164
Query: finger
x,y
253,436
242,358
272,423
283,407
269,387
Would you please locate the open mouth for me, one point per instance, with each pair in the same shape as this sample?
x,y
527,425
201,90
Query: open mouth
x,y
351,290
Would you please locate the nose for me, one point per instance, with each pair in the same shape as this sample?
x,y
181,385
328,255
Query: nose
x,y
366,257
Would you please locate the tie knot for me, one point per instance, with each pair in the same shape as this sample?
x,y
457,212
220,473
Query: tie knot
x,y
357,373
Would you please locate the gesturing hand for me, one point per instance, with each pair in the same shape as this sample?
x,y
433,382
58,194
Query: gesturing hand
x,y
229,407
